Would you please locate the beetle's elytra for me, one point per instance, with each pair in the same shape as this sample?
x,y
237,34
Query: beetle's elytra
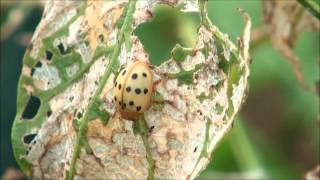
x,y
133,89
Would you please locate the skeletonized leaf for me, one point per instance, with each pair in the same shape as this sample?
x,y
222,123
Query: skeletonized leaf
x,y
66,124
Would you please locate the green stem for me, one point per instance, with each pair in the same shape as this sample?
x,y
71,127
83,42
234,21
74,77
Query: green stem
x,y
104,78
143,131
312,6
203,10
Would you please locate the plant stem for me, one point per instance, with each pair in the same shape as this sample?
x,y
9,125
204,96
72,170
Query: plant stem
x,y
104,78
312,6
142,125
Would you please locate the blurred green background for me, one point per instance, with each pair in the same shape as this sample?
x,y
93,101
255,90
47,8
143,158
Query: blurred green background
x,y
275,134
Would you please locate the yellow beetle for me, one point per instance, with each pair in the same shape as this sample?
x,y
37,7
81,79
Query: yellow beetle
x,y
133,89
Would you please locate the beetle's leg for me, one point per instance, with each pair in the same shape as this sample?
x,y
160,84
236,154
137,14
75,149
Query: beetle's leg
x,y
151,66
114,115
158,104
156,101
157,98
154,85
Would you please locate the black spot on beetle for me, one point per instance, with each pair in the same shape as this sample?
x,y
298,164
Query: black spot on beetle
x,y
115,98
124,72
131,103
124,105
119,86
134,76
138,108
120,103
137,90
128,89
145,90
144,75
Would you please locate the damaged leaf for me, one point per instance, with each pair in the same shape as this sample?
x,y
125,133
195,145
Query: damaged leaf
x,y
76,131
285,21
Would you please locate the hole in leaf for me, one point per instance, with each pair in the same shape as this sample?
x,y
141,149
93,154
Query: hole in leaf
x,y
223,64
48,55
168,27
32,108
79,115
28,138
151,128
38,65
61,49
28,150
87,43
101,38
199,112
49,113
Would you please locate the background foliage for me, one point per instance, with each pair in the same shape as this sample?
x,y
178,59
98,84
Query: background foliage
x,y
276,132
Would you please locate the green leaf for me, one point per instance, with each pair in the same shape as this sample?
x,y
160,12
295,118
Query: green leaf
x,y
185,77
180,53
